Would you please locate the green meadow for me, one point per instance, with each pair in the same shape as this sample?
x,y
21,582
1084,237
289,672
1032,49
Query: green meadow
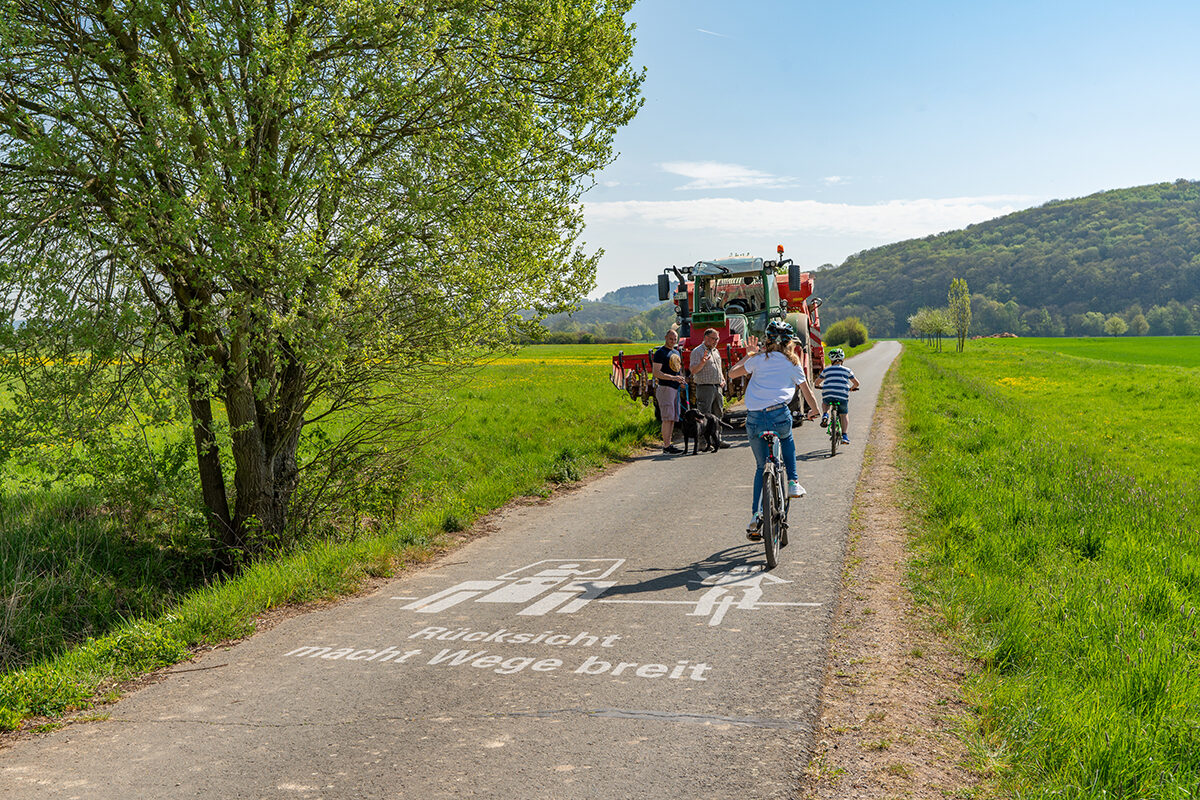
x,y
1060,539
1180,351
86,601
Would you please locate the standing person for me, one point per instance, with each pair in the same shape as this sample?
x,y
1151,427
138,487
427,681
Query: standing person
x,y
836,382
667,368
775,373
707,374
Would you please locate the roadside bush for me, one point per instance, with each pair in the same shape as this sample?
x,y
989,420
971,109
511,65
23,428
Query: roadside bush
x,y
850,330
568,467
139,647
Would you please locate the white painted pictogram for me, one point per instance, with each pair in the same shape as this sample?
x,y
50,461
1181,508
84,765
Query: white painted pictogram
x,y
565,586
575,581
721,597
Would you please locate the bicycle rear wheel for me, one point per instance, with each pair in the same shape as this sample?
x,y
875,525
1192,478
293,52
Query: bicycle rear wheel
x,y
835,433
770,515
783,522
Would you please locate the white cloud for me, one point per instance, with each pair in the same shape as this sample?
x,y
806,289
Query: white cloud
x,y
890,221
834,180
707,175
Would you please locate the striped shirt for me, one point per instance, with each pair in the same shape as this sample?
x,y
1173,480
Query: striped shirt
x,y
835,382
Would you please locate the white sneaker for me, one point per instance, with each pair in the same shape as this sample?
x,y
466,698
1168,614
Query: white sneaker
x,y
795,489
754,524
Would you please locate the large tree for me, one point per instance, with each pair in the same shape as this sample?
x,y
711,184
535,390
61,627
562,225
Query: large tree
x,y
286,210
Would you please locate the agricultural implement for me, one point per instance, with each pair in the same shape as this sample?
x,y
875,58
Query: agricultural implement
x,y
737,297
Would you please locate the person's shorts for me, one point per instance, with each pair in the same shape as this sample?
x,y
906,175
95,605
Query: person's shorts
x,y
668,402
843,406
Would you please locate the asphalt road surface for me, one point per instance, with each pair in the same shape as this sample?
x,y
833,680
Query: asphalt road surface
x,y
620,641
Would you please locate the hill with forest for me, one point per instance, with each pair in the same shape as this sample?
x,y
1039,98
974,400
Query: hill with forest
x,y
632,312
1063,268
642,297
604,321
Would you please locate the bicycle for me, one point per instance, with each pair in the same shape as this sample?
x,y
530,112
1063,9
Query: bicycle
x,y
836,409
775,501
835,426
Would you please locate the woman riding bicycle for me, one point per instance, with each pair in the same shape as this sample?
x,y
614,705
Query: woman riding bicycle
x,y
774,372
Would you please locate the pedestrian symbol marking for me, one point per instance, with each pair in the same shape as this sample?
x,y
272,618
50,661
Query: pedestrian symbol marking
x,y
576,581
566,586
569,568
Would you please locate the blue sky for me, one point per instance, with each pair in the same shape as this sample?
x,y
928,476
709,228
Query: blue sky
x,y
831,127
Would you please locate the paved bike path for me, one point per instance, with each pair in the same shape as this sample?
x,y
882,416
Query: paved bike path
x,y
619,641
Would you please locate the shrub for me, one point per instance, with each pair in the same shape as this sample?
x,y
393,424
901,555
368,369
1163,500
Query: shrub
x,y
850,330
568,467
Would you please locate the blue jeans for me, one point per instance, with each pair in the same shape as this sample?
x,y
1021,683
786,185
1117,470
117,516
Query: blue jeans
x,y
758,423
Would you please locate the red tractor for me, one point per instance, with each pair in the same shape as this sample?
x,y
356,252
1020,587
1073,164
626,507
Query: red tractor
x,y
737,297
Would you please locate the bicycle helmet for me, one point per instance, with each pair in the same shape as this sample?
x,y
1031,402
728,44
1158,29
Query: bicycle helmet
x,y
837,355
780,332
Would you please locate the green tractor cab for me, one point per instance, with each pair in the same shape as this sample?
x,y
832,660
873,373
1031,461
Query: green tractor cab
x,y
737,297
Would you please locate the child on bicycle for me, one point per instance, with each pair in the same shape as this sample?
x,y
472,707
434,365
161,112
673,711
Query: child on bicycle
x,y
775,373
836,382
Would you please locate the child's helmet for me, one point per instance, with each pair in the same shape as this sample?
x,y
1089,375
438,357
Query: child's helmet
x,y
837,354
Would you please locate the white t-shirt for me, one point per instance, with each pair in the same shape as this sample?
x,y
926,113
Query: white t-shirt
x,y
773,380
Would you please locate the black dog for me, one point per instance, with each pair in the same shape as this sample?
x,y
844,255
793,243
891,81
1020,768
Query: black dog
x,y
715,424
697,425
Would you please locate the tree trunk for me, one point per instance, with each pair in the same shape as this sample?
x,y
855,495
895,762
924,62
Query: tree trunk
x,y
212,479
264,454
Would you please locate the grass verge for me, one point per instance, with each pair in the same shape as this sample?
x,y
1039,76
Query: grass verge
x,y
1072,577
94,607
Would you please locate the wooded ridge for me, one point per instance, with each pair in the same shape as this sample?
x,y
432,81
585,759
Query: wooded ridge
x,y
1060,268
1063,268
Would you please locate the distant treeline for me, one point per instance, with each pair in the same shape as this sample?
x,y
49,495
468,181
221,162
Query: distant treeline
x,y
1064,268
574,337
612,323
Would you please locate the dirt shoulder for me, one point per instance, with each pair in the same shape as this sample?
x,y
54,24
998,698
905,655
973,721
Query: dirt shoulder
x,y
891,707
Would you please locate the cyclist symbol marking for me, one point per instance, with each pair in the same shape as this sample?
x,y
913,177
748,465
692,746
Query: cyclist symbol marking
x,y
720,598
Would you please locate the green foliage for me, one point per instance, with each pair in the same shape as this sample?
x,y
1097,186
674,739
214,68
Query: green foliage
x,y
1101,254
931,324
1164,351
958,301
850,331
567,467
281,217
542,416
138,647
69,569
573,337
40,691
604,322
1115,326
642,297
1061,534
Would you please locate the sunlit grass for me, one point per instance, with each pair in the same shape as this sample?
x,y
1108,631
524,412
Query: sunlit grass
x,y
69,570
1061,541
1180,351
1140,416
